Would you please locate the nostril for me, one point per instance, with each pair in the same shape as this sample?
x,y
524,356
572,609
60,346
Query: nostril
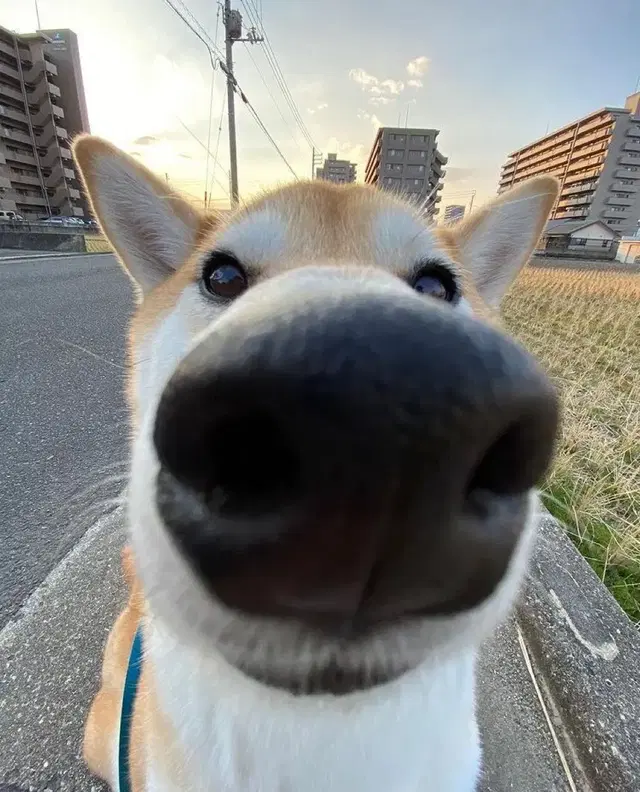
x,y
516,460
253,470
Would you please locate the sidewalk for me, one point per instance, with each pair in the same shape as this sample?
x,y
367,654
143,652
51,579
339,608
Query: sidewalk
x,y
49,666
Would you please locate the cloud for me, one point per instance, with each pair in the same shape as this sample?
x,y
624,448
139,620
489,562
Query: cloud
x,y
371,84
371,117
393,86
317,108
380,100
146,140
363,78
418,66
415,83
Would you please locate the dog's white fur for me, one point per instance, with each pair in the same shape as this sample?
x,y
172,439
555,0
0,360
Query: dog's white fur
x,y
225,732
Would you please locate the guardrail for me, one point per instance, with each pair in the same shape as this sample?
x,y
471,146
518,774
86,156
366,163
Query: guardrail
x,y
41,226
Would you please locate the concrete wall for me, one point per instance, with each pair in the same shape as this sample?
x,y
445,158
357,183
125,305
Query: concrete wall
x,y
20,240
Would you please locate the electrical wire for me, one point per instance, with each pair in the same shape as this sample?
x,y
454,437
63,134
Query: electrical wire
x,y
192,23
252,14
269,91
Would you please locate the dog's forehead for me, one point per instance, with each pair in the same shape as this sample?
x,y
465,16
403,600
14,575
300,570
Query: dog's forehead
x,y
316,222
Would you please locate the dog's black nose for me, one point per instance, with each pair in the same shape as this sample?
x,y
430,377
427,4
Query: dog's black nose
x,y
351,454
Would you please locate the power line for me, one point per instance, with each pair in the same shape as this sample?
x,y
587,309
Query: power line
x,y
266,132
203,36
213,85
198,30
272,60
277,72
215,156
277,106
204,146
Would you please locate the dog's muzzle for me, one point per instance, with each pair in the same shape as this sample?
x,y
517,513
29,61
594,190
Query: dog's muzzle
x,y
341,451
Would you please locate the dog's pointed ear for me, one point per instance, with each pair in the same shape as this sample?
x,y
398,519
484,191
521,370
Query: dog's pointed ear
x,y
151,228
494,243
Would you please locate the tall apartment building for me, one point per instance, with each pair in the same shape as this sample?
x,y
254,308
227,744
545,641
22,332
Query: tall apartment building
x,y
42,106
596,159
336,170
407,161
453,213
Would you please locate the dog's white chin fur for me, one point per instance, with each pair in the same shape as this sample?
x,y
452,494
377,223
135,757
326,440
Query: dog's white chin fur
x,y
417,732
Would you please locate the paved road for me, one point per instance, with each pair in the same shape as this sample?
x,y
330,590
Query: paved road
x,y
62,425
62,418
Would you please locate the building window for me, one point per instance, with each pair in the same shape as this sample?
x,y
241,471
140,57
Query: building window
x,y
605,243
418,138
419,183
397,153
415,154
398,138
393,167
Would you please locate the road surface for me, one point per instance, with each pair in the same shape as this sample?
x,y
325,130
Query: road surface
x,y
62,430
62,417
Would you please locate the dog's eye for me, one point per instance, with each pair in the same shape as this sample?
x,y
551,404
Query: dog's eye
x,y
436,281
223,276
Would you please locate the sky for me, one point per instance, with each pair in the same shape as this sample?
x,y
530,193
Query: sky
x,y
491,75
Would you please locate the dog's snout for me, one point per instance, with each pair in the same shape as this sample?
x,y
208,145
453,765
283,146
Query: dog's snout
x,y
355,459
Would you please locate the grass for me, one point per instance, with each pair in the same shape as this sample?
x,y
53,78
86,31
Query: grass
x,y
584,326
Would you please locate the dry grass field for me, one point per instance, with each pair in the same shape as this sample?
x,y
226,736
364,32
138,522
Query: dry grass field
x,y
584,326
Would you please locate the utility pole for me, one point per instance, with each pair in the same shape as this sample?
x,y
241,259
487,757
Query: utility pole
x,y
473,195
316,159
233,33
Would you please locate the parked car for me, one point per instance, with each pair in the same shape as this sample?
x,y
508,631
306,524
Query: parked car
x,y
9,216
61,220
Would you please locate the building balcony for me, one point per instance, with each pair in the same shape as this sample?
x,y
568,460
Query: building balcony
x,y
611,214
19,179
626,159
623,173
546,144
13,114
576,189
631,145
569,202
13,134
20,157
600,121
31,200
634,131
7,49
5,183
11,93
611,199
9,71
550,153
625,188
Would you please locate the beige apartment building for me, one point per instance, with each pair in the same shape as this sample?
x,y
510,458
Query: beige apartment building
x,y
407,161
42,107
596,159
336,170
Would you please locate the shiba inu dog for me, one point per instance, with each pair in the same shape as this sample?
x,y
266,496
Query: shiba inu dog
x,y
332,490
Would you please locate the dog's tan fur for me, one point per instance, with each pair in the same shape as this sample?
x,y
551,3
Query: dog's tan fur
x,y
317,215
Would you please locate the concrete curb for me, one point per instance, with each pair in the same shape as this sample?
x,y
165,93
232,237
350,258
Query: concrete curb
x,y
38,256
587,652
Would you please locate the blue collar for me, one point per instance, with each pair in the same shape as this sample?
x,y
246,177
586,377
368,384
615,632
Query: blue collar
x,y
126,715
